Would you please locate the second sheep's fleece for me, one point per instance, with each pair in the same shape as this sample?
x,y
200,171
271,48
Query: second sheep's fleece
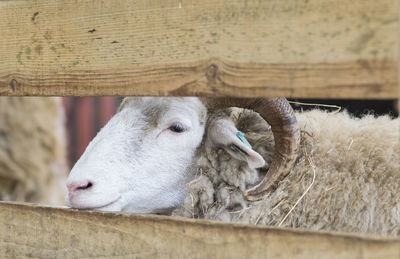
x,y
355,163
32,150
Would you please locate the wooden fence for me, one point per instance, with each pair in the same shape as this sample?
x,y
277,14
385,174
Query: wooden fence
x,y
320,48
300,49
45,232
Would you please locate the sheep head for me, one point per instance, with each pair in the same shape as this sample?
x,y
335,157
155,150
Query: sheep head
x,y
142,159
136,162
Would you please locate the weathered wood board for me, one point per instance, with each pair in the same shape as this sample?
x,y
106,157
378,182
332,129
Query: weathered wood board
x,y
319,48
46,232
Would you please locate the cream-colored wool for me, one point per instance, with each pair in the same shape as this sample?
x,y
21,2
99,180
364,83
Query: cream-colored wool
x,y
32,150
357,169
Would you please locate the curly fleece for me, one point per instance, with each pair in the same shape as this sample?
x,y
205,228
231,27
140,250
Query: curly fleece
x,y
357,177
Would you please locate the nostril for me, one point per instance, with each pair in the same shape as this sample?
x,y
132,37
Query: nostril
x,y
84,187
79,186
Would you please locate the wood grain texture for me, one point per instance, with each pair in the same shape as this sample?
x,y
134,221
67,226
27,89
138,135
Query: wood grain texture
x,y
320,48
45,232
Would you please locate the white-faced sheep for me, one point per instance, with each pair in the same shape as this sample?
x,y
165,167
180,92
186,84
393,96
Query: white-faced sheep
x,y
32,150
144,159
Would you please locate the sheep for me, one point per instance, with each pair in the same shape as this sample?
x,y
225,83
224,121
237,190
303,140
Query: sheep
x,y
355,164
150,147
32,150
145,159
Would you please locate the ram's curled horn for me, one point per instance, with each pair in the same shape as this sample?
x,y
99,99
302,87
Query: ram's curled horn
x,y
279,114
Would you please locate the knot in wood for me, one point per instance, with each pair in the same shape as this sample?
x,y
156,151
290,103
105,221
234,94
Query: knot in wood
x,y
14,84
212,72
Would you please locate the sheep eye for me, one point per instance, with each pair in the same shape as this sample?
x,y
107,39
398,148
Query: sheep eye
x,y
178,128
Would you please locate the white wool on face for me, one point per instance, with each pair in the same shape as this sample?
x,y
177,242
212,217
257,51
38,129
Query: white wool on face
x,y
357,167
136,163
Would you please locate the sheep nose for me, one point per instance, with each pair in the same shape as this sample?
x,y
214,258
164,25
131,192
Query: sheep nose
x,y
77,186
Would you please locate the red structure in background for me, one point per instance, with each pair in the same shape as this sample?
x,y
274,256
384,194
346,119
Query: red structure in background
x,y
85,116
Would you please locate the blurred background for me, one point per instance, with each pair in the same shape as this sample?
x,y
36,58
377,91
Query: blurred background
x,y
41,138
84,117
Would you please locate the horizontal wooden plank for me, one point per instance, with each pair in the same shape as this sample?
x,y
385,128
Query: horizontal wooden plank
x,y
47,232
334,48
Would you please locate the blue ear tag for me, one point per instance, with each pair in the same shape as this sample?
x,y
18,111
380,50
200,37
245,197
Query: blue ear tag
x,y
243,139
240,135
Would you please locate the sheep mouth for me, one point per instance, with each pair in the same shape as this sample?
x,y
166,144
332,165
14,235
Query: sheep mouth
x,y
106,205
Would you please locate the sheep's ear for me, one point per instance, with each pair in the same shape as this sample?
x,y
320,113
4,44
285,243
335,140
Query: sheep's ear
x,y
222,133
